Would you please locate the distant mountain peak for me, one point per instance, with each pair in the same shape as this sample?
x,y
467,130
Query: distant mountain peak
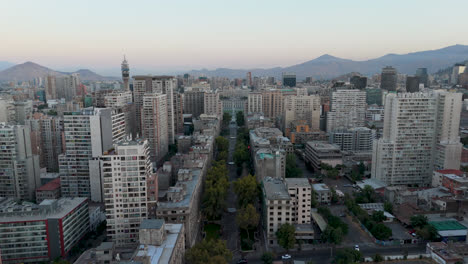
x,y
326,57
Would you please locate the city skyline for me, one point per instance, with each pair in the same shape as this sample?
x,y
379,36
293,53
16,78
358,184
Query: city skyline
x,y
185,36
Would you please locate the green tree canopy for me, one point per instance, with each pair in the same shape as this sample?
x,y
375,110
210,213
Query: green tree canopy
x,y
348,256
292,171
222,144
418,221
247,217
267,258
285,236
246,189
209,251
240,118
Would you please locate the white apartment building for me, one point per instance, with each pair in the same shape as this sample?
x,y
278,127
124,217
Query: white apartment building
x,y
154,124
120,178
305,108
19,168
87,135
420,134
347,110
118,99
358,139
255,103
212,105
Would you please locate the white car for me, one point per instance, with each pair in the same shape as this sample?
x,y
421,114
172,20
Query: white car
x,y
286,256
231,163
356,247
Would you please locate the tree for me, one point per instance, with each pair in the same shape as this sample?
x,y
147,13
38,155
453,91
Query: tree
x,y
246,189
418,221
367,195
378,216
247,218
428,232
223,155
388,207
209,251
285,236
332,235
347,256
222,144
267,258
333,173
240,118
334,196
378,258
292,171
381,231
313,199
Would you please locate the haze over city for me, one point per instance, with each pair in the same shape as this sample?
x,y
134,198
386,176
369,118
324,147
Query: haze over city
x,y
168,36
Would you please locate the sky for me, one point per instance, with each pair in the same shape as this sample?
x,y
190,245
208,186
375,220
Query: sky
x,y
188,34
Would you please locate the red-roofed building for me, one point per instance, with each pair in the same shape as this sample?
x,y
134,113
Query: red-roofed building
x,y
439,175
50,190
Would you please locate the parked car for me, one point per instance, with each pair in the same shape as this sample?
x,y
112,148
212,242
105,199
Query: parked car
x,y
284,257
241,261
356,247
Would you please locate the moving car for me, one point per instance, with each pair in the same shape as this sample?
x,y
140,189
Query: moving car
x,y
356,247
286,257
241,261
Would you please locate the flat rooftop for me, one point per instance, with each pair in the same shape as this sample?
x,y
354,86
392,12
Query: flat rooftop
x,y
162,253
323,146
275,189
297,182
448,225
320,187
152,223
189,193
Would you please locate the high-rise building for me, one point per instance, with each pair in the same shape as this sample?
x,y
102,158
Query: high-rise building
x,y
412,84
254,102
358,139
374,96
178,113
120,178
46,132
125,74
50,87
167,85
122,105
154,124
272,103
248,79
211,103
421,73
358,82
194,101
7,111
289,79
348,110
305,108
86,136
456,71
420,134
67,85
388,79
19,167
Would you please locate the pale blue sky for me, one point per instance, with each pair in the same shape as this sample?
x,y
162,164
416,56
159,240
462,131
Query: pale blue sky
x,y
169,35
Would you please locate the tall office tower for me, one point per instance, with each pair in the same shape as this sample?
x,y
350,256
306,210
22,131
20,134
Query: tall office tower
x,y
348,110
456,71
154,124
120,178
421,73
19,168
412,84
67,86
309,80
270,80
46,132
178,113
374,96
272,103
289,79
50,87
358,82
86,136
420,134
388,79
125,74
248,79
254,102
306,108
194,102
211,103
144,84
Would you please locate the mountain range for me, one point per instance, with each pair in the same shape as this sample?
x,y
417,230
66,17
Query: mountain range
x,y
323,67
30,70
327,66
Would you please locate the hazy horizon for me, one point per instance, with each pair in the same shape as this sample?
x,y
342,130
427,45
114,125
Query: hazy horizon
x,y
158,36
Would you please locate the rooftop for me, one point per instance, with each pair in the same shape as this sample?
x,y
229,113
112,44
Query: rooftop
x,y
320,187
105,246
162,253
189,193
451,171
448,225
50,186
323,146
275,189
297,182
152,224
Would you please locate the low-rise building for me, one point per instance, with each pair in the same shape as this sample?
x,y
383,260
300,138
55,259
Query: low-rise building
x,y
40,233
50,190
160,242
322,193
269,163
318,152
300,191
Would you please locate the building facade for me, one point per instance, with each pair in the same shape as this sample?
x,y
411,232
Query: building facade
x,y
348,110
